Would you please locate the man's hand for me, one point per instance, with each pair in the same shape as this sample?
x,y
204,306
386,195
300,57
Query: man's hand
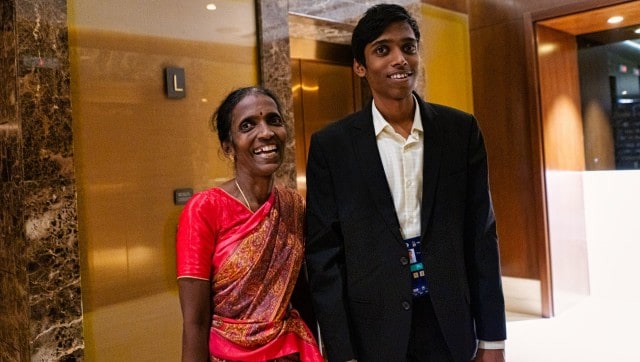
x,y
490,355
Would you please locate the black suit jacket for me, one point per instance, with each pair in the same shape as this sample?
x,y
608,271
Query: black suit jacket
x,y
357,259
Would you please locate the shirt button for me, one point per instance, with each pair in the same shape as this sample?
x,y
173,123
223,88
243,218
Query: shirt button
x,y
406,305
404,260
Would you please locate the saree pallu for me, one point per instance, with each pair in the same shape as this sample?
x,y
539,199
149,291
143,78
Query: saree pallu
x,y
252,318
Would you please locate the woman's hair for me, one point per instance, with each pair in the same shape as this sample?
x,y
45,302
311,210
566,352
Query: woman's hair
x,y
222,117
374,22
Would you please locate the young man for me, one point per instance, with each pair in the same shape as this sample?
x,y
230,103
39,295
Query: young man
x,y
402,250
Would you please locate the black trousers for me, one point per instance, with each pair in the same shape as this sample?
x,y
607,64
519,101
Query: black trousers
x,y
426,343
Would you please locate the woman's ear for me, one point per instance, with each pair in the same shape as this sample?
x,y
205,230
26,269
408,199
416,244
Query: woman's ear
x,y
359,69
227,149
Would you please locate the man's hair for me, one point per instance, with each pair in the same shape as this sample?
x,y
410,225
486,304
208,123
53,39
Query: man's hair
x,y
374,22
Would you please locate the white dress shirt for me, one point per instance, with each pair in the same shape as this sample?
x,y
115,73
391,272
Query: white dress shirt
x,y
402,160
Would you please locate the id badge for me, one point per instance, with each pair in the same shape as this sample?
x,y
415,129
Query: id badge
x,y
418,278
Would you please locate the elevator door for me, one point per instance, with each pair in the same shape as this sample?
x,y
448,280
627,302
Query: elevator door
x,y
323,92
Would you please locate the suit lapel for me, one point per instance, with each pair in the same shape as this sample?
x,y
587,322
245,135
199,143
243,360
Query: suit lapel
x,y
368,157
431,165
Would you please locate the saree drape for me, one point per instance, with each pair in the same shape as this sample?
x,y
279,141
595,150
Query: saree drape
x,y
254,269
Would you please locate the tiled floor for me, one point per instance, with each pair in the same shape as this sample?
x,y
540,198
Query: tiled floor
x,y
596,329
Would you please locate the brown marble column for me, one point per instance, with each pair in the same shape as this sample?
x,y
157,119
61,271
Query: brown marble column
x,y
41,315
14,308
275,70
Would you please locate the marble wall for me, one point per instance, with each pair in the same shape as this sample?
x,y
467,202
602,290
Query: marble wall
x,y
41,311
275,72
14,312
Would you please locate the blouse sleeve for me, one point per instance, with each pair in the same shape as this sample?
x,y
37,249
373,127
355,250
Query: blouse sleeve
x,y
195,238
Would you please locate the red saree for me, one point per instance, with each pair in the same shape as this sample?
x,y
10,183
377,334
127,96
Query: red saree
x,y
254,260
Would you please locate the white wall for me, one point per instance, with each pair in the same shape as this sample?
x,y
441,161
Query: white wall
x,y
612,217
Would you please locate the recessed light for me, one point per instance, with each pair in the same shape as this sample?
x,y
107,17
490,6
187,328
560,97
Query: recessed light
x,y
211,6
615,19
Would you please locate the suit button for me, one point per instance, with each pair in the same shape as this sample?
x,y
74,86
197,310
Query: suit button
x,y
406,305
404,260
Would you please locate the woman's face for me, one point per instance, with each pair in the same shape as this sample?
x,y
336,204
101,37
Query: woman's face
x,y
258,136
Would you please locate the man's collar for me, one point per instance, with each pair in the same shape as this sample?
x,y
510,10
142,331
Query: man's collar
x,y
379,123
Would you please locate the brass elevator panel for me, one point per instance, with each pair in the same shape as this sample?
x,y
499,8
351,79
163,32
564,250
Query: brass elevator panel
x,y
323,92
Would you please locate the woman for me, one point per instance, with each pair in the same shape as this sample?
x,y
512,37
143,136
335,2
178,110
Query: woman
x,y
239,246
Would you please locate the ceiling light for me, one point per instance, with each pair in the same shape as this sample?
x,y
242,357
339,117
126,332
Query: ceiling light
x,y
211,6
637,31
615,19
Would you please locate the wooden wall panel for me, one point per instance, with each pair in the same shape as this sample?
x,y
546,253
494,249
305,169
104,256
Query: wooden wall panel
x,y
501,109
491,12
560,100
484,13
459,6
577,24
564,162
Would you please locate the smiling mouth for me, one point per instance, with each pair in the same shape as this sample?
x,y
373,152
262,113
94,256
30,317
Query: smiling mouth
x,y
400,75
265,149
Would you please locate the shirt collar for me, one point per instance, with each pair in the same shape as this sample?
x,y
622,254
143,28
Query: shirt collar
x,y
380,124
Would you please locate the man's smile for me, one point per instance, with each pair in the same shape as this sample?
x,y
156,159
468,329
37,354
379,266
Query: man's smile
x,y
402,75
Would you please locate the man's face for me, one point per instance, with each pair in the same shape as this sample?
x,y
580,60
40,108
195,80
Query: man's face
x,y
392,63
